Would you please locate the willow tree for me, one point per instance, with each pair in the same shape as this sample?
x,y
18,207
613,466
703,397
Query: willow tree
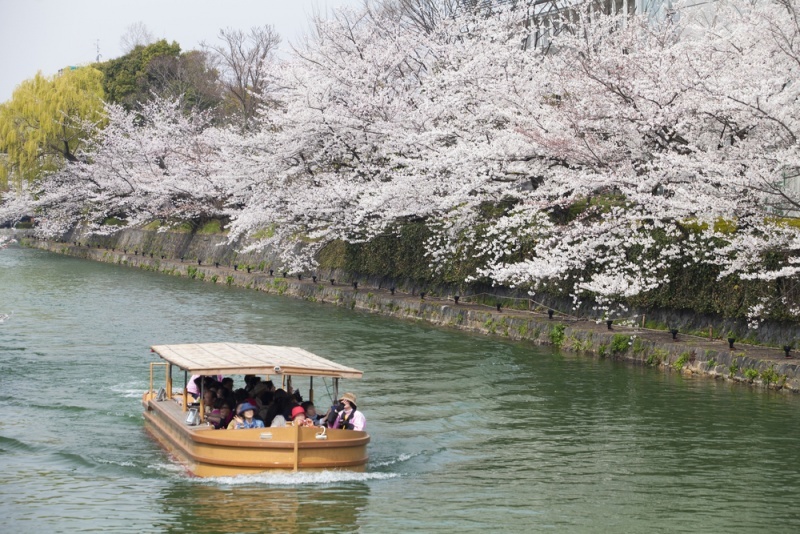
x,y
47,122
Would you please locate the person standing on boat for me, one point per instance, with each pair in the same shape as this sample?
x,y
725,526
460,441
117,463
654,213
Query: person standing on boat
x,y
349,417
245,419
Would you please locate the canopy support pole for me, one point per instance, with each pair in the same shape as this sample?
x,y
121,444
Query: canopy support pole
x,y
335,391
185,390
296,447
202,401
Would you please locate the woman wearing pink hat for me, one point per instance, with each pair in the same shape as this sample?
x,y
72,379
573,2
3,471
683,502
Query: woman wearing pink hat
x,y
349,417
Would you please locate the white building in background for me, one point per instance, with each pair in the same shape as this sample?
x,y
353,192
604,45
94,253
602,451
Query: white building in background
x,y
544,15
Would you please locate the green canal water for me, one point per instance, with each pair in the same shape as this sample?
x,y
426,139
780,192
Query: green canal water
x,y
468,434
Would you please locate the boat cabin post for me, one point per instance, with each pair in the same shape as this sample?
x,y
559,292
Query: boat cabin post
x,y
311,389
335,398
166,375
185,390
202,401
296,448
169,381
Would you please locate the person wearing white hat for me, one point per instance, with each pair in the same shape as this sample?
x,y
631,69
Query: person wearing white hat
x,y
349,418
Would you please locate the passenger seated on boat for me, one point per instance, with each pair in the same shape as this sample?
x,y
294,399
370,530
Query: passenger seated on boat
x,y
266,398
251,381
278,421
266,401
193,387
294,394
259,390
311,412
240,395
230,400
213,385
254,400
227,384
221,415
245,418
349,418
299,417
243,396
209,397
276,413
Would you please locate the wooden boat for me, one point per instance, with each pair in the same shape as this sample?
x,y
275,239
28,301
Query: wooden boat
x,y
207,452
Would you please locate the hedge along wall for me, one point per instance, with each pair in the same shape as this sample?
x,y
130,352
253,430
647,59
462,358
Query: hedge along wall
x,y
692,301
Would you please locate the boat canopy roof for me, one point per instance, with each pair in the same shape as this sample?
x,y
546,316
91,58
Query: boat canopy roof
x,y
242,358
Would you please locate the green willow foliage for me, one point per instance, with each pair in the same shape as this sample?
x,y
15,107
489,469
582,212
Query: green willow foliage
x,y
47,121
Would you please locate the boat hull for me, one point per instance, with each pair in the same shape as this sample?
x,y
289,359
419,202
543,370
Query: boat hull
x,y
207,452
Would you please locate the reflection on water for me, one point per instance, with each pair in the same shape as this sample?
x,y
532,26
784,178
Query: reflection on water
x,y
210,507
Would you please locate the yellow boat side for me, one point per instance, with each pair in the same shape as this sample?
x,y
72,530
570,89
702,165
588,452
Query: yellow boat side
x,y
207,452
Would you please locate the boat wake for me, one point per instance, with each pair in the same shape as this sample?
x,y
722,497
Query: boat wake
x,y
296,479
115,463
171,468
400,459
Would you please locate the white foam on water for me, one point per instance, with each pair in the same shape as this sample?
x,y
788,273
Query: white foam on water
x,y
170,467
402,458
113,462
296,479
127,390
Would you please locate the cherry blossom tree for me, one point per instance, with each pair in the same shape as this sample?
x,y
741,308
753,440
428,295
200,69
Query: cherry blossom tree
x,y
631,148
663,145
157,163
342,101
596,163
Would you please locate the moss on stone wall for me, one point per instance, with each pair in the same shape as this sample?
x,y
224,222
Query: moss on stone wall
x,y
696,287
395,256
399,255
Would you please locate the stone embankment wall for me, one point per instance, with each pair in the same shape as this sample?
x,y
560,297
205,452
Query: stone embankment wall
x,y
161,252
